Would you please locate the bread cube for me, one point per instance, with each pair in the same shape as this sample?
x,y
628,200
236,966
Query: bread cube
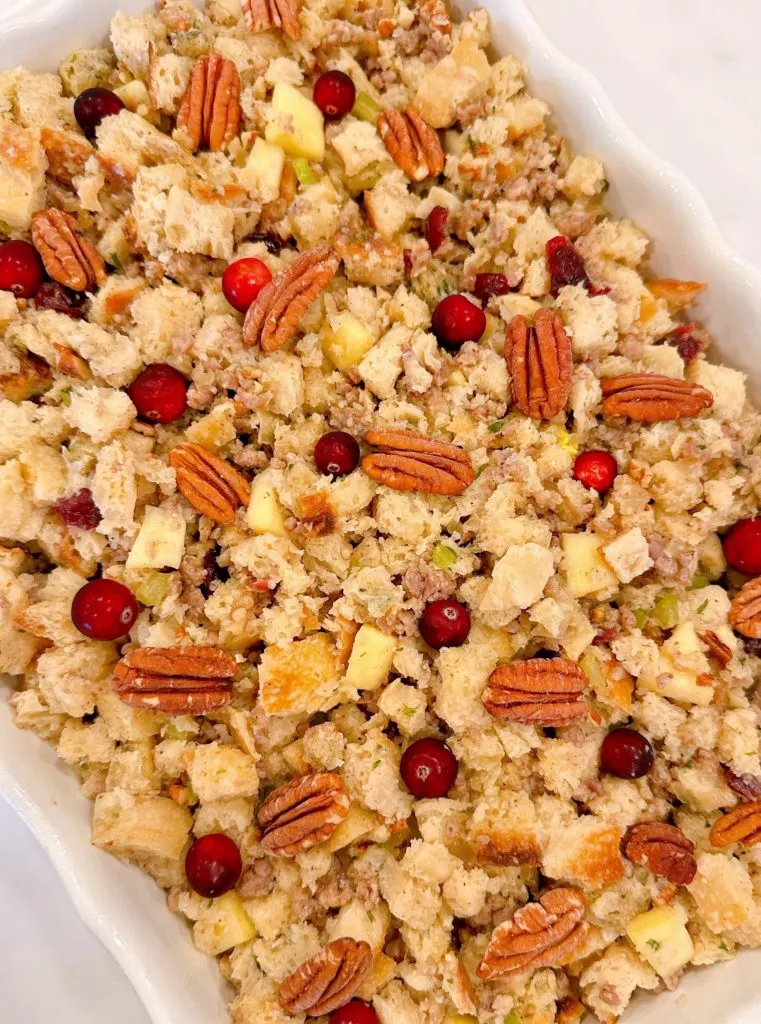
x,y
140,826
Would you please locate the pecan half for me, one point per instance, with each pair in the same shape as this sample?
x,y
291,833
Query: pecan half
x,y
328,980
408,461
302,813
538,691
412,143
540,364
70,364
740,825
717,649
653,398
746,786
676,294
543,934
274,316
210,108
69,258
176,680
664,849
745,610
211,485
261,15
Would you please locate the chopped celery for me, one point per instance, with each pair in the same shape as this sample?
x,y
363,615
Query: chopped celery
x,y
593,671
512,1018
666,611
154,588
305,173
367,178
443,556
365,108
699,581
641,617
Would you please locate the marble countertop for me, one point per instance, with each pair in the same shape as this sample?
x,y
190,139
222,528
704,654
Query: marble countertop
x,y
686,79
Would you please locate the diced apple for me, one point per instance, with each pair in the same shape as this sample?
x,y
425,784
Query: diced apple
x,y
356,921
265,513
263,170
349,343
160,544
359,822
384,969
223,925
677,681
586,570
215,430
297,124
371,656
459,1018
661,938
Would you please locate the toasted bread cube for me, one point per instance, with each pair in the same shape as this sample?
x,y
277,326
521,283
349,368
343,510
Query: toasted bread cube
x,y
301,677
140,826
22,174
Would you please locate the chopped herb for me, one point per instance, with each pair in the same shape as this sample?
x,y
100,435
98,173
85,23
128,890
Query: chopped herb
x,y
689,764
408,712
497,425
370,915
470,144
376,763
723,946
605,185
480,470
654,944
698,581
702,607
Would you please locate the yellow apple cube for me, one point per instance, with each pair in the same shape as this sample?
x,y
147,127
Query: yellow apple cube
x,y
359,822
263,170
371,656
661,938
586,570
160,544
675,680
349,343
296,124
356,921
223,925
265,513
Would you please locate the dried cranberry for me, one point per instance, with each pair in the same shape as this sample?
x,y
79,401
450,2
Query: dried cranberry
x,y
436,227
429,768
564,264
604,637
688,340
444,623
742,546
272,242
457,320
598,289
159,393
92,106
354,1012
490,284
627,754
407,259
21,270
104,610
595,469
243,280
213,865
751,646
336,453
213,571
59,298
334,93
79,510
747,787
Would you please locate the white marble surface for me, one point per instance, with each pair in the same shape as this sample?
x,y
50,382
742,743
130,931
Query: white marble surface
x,y
687,79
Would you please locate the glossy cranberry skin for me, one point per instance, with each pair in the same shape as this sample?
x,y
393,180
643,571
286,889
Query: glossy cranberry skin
x,y
21,270
334,93
159,393
742,546
213,865
564,264
78,510
490,284
104,610
436,227
457,320
243,280
336,453
59,298
354,1012
429,768
444,623
596,469
92,106
627,754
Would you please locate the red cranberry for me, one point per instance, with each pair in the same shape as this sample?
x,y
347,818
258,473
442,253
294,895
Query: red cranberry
x,y
742,546
354,1012
444,623
627,754
436,227
159,393
334,93
336,453
457,320
429,768
213,865
243,280
78,510
596,470
564,264
490,284
59,298
92,106
21,270
104,610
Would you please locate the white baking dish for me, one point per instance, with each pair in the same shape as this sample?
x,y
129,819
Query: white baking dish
x,y
124,908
